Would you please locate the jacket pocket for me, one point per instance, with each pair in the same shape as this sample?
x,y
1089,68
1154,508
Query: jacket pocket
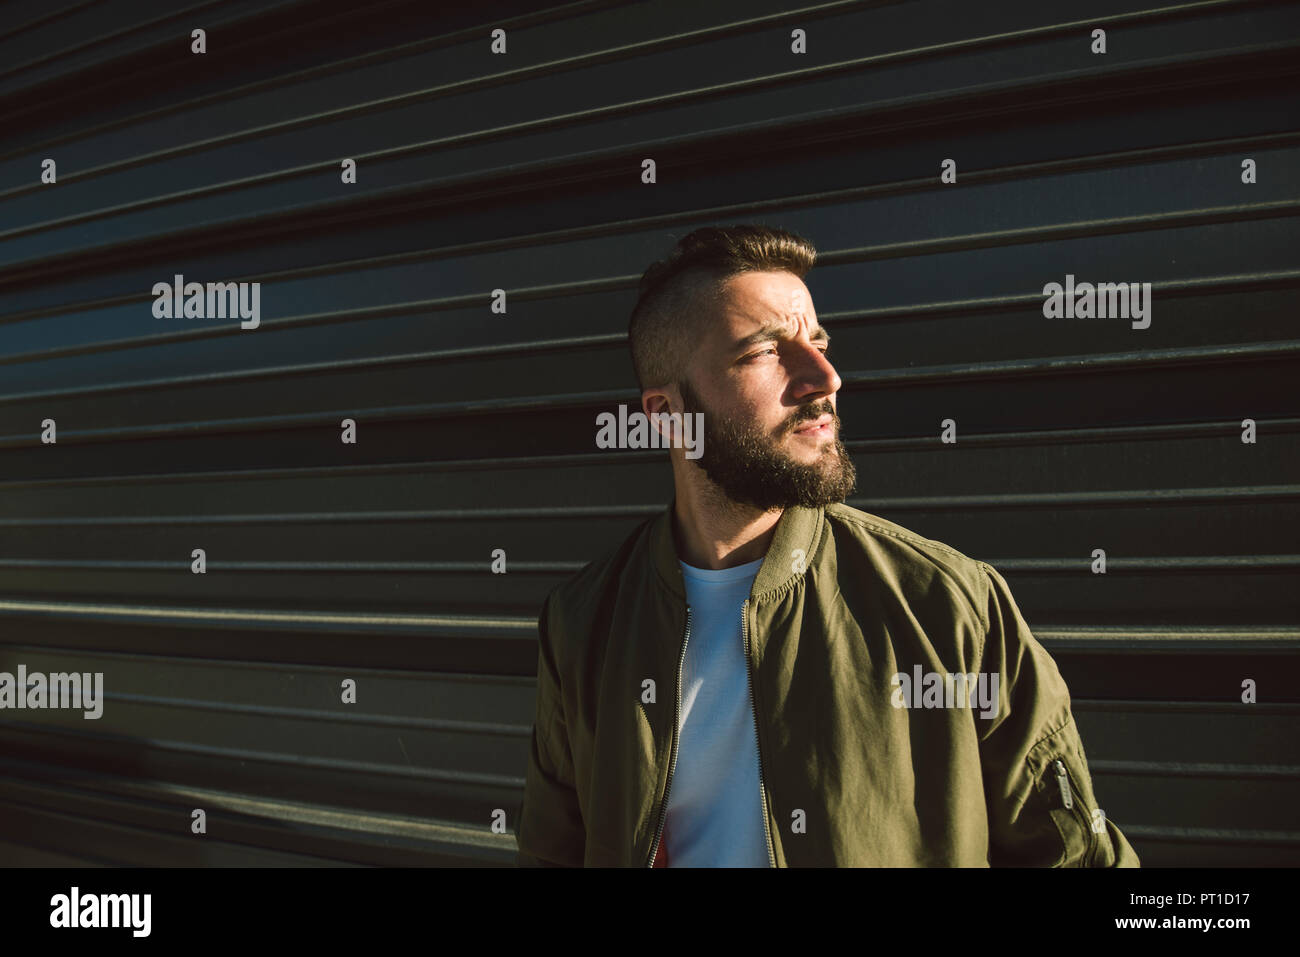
x,y
1071,814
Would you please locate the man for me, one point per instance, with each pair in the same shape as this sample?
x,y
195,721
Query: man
x,y
764,676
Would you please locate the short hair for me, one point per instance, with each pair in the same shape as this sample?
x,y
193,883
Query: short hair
x,y
677,293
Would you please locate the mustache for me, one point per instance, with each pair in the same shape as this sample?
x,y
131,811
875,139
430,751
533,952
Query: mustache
x,y
812,414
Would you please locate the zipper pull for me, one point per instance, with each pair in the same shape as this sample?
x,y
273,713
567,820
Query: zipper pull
x,y
1063,780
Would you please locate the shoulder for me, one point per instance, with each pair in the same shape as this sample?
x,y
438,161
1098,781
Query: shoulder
x,y
917,566
574,606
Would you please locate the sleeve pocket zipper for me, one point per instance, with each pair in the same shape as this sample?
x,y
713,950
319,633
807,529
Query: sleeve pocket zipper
x,y
1077,810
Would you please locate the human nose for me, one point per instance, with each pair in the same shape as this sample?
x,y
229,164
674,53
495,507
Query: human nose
x,y
815,376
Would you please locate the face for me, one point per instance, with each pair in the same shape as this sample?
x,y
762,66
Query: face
x,y
767,391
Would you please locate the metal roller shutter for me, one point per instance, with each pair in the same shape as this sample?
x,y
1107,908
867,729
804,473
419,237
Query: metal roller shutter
x,y
477,171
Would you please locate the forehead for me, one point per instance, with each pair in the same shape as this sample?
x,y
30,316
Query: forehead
x,y
754,298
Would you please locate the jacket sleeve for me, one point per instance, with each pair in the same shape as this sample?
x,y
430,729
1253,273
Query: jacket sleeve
x,y
1042,811
550,832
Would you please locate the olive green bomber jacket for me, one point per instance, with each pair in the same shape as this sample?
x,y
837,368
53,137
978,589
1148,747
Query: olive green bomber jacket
x,y
854,769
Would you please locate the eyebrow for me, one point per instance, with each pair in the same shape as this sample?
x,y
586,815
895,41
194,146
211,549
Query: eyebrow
x,y
772,333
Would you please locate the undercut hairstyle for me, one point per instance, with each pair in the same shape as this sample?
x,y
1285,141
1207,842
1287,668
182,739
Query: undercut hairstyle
x,y
679,295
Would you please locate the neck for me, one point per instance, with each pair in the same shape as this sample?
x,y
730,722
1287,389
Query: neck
x,y
713,531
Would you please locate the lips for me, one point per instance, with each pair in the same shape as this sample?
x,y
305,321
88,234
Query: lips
x,y
817,425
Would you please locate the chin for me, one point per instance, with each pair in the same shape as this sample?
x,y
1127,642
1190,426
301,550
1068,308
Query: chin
x,y
815,449
810,460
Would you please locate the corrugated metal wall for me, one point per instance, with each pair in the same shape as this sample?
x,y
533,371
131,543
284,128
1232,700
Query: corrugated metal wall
x,y
475,429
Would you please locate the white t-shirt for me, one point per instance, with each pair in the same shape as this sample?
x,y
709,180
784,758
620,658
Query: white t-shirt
x,y
715,810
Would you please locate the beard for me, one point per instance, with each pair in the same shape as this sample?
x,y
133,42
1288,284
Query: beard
x,y
749,467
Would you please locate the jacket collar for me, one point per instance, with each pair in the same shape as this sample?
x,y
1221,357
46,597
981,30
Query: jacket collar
x,y
798,528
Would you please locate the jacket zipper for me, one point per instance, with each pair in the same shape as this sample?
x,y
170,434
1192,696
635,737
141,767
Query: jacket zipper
x,y
1082,814
672,761
762,791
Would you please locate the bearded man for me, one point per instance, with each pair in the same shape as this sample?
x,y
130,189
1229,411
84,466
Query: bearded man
x,y
763,676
